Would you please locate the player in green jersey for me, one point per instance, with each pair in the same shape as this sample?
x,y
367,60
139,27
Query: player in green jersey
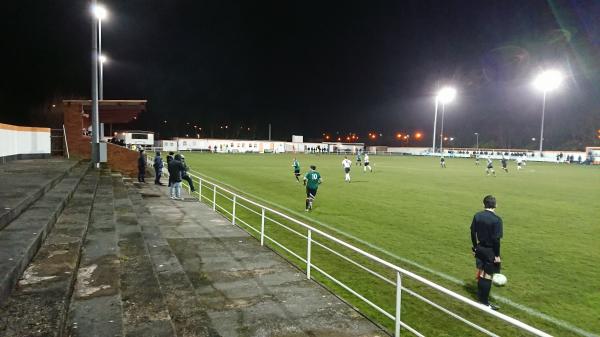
x,y
312,180
296,165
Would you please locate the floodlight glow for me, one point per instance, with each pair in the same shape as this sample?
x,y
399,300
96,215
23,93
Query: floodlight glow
x,y
99,12
548,80
103,59
446,95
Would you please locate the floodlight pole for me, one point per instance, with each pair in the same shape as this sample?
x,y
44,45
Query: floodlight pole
x,y
100,63
477,140
95,126
542,128
442,130
435,123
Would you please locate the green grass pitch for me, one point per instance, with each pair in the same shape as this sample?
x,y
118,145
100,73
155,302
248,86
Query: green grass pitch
x,y
415,214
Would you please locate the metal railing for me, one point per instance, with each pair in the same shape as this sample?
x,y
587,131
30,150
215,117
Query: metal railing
x,y
234,199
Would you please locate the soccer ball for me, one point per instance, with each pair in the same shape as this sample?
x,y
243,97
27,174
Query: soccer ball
x,y
499,280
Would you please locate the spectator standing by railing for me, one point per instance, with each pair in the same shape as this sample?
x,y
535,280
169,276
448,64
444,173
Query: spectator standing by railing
x,y
158,166
142,167
185,176
175,174
169,159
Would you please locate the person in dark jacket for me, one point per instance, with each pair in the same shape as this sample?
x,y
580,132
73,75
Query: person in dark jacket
x,y
158,166
176,171
186,176
486,232
169,158
141,167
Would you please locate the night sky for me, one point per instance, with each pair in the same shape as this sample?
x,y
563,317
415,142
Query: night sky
x,y
314,67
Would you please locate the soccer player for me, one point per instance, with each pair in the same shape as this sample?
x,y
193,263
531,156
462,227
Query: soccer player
x,y
442,162
358,158
490,167
504,164
347,164
367,164
296,166
312,180
519,163
486,232
477,160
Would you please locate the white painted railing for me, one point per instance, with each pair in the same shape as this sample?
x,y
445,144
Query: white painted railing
x,y
233,199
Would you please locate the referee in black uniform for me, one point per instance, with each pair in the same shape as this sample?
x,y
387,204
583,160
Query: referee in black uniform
x,y
486,232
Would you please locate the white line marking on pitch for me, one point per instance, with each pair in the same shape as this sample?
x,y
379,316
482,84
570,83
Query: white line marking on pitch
x,y
531,311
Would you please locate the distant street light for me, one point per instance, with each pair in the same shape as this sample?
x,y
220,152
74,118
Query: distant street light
x,y
444,96
548,80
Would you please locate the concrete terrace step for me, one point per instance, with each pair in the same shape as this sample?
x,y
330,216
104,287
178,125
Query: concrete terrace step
x,y
39,305
25,181
116,293
20,240
95,306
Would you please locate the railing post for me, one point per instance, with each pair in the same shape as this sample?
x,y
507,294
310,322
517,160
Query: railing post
x,y
308,244
200,189
398,303
262,228
233,211
214,197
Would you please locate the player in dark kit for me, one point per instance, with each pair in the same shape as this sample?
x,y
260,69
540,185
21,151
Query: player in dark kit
x,y
486,232
504,164
312,180
296,166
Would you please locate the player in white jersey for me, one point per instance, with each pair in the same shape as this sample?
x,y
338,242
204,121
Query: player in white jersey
x,y
519,163
366,164
490,167
347,164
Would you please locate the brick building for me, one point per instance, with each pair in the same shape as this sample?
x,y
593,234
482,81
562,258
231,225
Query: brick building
x,y
77,119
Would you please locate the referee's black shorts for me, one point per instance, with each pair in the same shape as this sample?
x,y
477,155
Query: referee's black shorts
x,y
347,169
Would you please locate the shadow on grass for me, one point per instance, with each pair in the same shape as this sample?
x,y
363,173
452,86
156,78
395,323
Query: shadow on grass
x,y
470,287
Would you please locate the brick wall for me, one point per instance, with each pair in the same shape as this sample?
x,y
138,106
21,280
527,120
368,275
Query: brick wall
x,y
119,158
79,144
123,160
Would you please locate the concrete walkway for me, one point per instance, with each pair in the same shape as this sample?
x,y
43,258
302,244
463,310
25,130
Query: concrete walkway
x,y
242,288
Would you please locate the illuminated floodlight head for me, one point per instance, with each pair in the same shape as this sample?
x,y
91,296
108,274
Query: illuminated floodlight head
x,y
548,80
446,95
99,12
103,59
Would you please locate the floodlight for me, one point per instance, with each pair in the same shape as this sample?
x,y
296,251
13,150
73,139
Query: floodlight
x,y
548,80
99,12
446,95
103,59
